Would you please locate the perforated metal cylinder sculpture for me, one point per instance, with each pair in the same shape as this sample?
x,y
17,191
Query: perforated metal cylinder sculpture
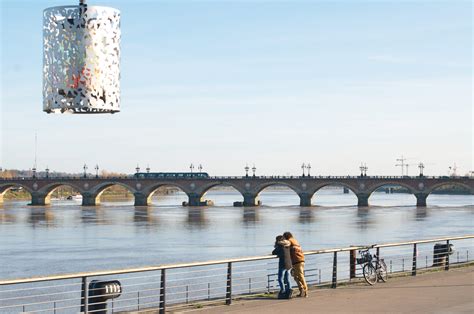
x,y
81,63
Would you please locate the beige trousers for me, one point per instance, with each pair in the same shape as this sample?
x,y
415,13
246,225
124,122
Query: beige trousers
x,y
298,275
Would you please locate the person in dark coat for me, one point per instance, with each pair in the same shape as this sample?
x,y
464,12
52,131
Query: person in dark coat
x,y
282,250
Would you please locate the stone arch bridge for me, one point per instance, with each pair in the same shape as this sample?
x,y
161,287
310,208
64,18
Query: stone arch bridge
x,y
250,187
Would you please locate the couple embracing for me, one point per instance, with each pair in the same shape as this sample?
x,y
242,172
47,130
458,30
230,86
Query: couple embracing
x,y
291,258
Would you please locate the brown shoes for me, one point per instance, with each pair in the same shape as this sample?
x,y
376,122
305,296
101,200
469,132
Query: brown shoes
x,y
303,294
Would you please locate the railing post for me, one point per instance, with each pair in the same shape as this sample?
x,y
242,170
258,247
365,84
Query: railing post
x,y
334,271
446,267
84,296
268,284
413,269
228,295
352,264
162,303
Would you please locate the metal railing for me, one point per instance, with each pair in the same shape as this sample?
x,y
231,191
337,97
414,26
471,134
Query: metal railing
x,y
179,285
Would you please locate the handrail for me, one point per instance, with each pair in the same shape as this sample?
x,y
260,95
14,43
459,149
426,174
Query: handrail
x,y
215,262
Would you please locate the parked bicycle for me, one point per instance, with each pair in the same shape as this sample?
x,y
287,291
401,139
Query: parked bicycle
x,y
373,268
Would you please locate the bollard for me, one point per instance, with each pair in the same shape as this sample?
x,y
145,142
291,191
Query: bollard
x,y
441,254
100,292
352,264
228,294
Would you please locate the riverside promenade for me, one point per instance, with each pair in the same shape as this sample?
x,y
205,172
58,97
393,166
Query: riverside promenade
x,y
436,292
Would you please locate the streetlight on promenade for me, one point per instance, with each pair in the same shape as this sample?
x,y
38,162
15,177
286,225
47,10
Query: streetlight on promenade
x,y
85,170
96,170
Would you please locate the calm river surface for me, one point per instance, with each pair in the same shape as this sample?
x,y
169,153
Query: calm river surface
x,y
66,237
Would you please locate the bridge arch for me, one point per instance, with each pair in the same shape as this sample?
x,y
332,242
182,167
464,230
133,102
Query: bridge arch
x,y
441,184
261,188
227,189
152,190
49,189
325,199
4,188
92,197
460,199
403,199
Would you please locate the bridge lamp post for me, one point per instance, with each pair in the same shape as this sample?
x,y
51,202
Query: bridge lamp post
x,y
247,168
361,170
309,169
96,170
47,172
303,166
85,170
421,166
148,169
200,168
254,169
137,168
191,167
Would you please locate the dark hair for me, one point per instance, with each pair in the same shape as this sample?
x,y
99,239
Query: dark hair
x,y
278,239
287,235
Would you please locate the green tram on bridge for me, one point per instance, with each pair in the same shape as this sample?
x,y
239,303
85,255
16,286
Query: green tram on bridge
x,y
171,175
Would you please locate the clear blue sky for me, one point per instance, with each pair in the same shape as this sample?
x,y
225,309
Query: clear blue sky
x,y
275,83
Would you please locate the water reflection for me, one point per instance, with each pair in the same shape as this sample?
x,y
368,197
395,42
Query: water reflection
x,y
93,215
421,213
41,216
6,218
364,218
197,218
143,216
306,215
250,216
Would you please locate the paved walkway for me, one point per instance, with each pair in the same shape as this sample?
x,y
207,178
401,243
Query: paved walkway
x,y
441,292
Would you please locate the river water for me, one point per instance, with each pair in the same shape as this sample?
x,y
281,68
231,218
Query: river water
x,y
66,237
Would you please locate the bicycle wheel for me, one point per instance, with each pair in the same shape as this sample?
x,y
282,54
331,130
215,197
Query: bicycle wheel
x,y
383,273
370,274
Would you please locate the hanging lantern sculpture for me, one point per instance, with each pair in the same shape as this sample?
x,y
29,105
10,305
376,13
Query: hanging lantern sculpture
x,y
81,62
